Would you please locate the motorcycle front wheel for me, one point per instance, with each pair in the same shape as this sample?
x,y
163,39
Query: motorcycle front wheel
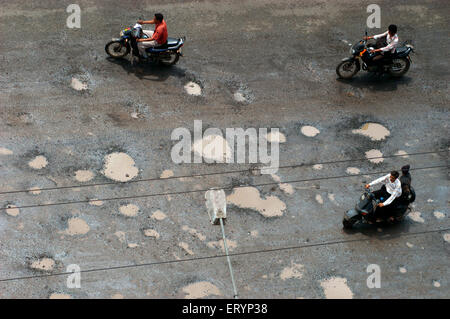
x,y
117,49
347,69
170,58
399,67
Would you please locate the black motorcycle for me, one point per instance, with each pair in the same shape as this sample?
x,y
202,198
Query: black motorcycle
x,y
167,54
367,211
396,65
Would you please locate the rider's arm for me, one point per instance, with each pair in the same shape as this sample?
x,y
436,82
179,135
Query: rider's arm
x,y
397,193
391,45
379,180
379,35
147,21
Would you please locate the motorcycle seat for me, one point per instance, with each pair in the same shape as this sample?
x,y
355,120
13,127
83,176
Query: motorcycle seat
x,y
171,42
401,52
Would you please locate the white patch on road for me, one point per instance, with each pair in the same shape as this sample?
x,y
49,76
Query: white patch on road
x,y
402,270
5,151
239,97
319,199
151,233
35,190
439,215
38,162
309,131
402,154
119,167
416,216
193,88
158,215
436,284
166,174
409,245
375,131
200,290
95,202
249,197
231,244
12,210
336,288
78,85
318,167
84,175
292,271
59,296
185,246
194,232
374,156
129,210
76,226
352,170
276,137
446,237
213,148
45,264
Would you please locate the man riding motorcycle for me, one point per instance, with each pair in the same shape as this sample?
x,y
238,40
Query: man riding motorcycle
x,y
391,40
155,38
391,189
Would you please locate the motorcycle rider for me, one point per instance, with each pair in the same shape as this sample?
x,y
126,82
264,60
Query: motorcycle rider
x,y
391,40
391,189
155,38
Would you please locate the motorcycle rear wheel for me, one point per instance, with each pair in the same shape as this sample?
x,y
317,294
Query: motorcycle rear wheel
x,y
399,67
172,60
116,49
347,69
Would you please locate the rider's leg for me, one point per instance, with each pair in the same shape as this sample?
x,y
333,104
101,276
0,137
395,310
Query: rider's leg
x,y
142,46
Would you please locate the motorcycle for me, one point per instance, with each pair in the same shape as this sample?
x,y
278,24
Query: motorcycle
x,y
364,211
166,54
396,65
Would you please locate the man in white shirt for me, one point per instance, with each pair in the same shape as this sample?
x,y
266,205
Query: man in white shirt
x,y
391,40
391,188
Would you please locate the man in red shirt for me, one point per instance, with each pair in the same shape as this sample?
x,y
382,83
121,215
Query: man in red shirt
x,y
155,38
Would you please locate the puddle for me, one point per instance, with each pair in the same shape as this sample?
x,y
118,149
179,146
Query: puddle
x,y
158,215
84,175
76,226
416,216
39,162
249,197
336,288
375,131
59,296
129,210
12,210
219,245
151,233
5,151
213,148
185,246
373,155
193,88
309,131
352,170
294,271
166,174
194,232
78,85
45,264
200,290
276,137
119,167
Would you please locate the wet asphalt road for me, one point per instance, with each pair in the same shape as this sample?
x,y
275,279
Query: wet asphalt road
x,y
281,56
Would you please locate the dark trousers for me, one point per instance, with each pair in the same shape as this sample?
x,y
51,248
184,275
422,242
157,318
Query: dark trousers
x,y
386,211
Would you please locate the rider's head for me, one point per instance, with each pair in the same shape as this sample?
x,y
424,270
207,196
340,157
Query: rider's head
x,y
392,29
405,169
394,176
159,17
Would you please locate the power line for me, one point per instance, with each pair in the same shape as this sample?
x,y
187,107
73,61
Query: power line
x,y
219,256
204,190
214,173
